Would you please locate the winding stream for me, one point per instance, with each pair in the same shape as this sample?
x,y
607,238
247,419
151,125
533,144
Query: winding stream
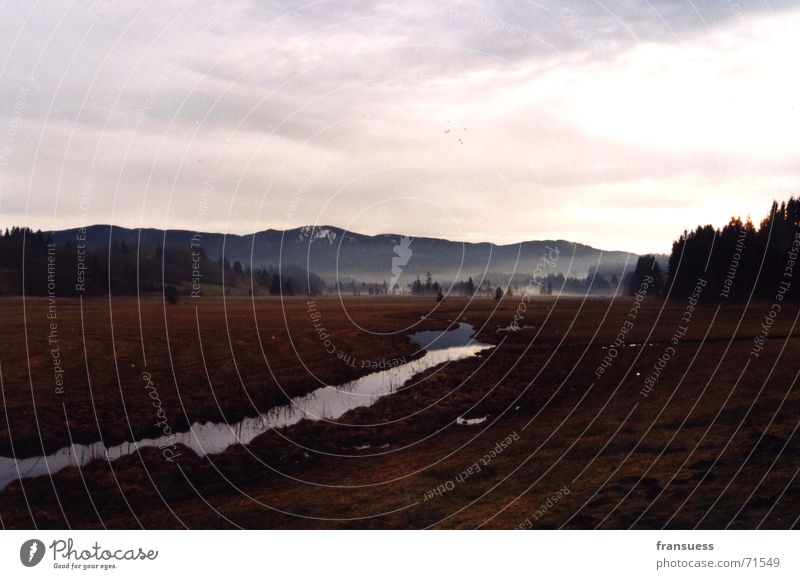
x,y
325,403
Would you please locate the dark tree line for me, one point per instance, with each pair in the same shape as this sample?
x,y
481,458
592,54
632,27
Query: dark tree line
x,y
428,287
740,259
647,277
593,284
464,288
71,269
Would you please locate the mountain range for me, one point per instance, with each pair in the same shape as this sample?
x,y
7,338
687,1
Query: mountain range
x,y
337,254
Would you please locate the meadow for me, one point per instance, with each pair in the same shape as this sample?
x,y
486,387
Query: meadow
x,y
679,421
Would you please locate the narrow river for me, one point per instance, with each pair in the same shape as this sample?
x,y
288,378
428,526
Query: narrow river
x,y
325,403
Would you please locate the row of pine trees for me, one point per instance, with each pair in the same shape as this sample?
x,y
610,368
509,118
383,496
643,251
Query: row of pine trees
x,y
127,269
738,262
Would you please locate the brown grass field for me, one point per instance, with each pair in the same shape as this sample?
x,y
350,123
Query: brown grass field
x,y
713,445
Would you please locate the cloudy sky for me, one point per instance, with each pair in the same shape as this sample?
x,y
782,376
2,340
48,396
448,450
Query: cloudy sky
x,y
616,124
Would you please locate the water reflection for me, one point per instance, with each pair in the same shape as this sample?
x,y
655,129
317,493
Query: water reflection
x,y
328,403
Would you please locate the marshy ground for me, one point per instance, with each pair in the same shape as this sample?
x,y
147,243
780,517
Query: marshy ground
x,y
696,431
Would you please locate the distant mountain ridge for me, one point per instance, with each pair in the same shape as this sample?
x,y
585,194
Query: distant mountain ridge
x,y
334,253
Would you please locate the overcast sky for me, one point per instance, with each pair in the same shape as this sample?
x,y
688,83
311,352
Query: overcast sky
x,y
616,124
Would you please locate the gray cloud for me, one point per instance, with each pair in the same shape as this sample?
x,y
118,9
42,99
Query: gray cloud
x,y
476,120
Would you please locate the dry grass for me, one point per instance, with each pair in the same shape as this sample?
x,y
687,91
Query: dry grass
x,y
713,445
